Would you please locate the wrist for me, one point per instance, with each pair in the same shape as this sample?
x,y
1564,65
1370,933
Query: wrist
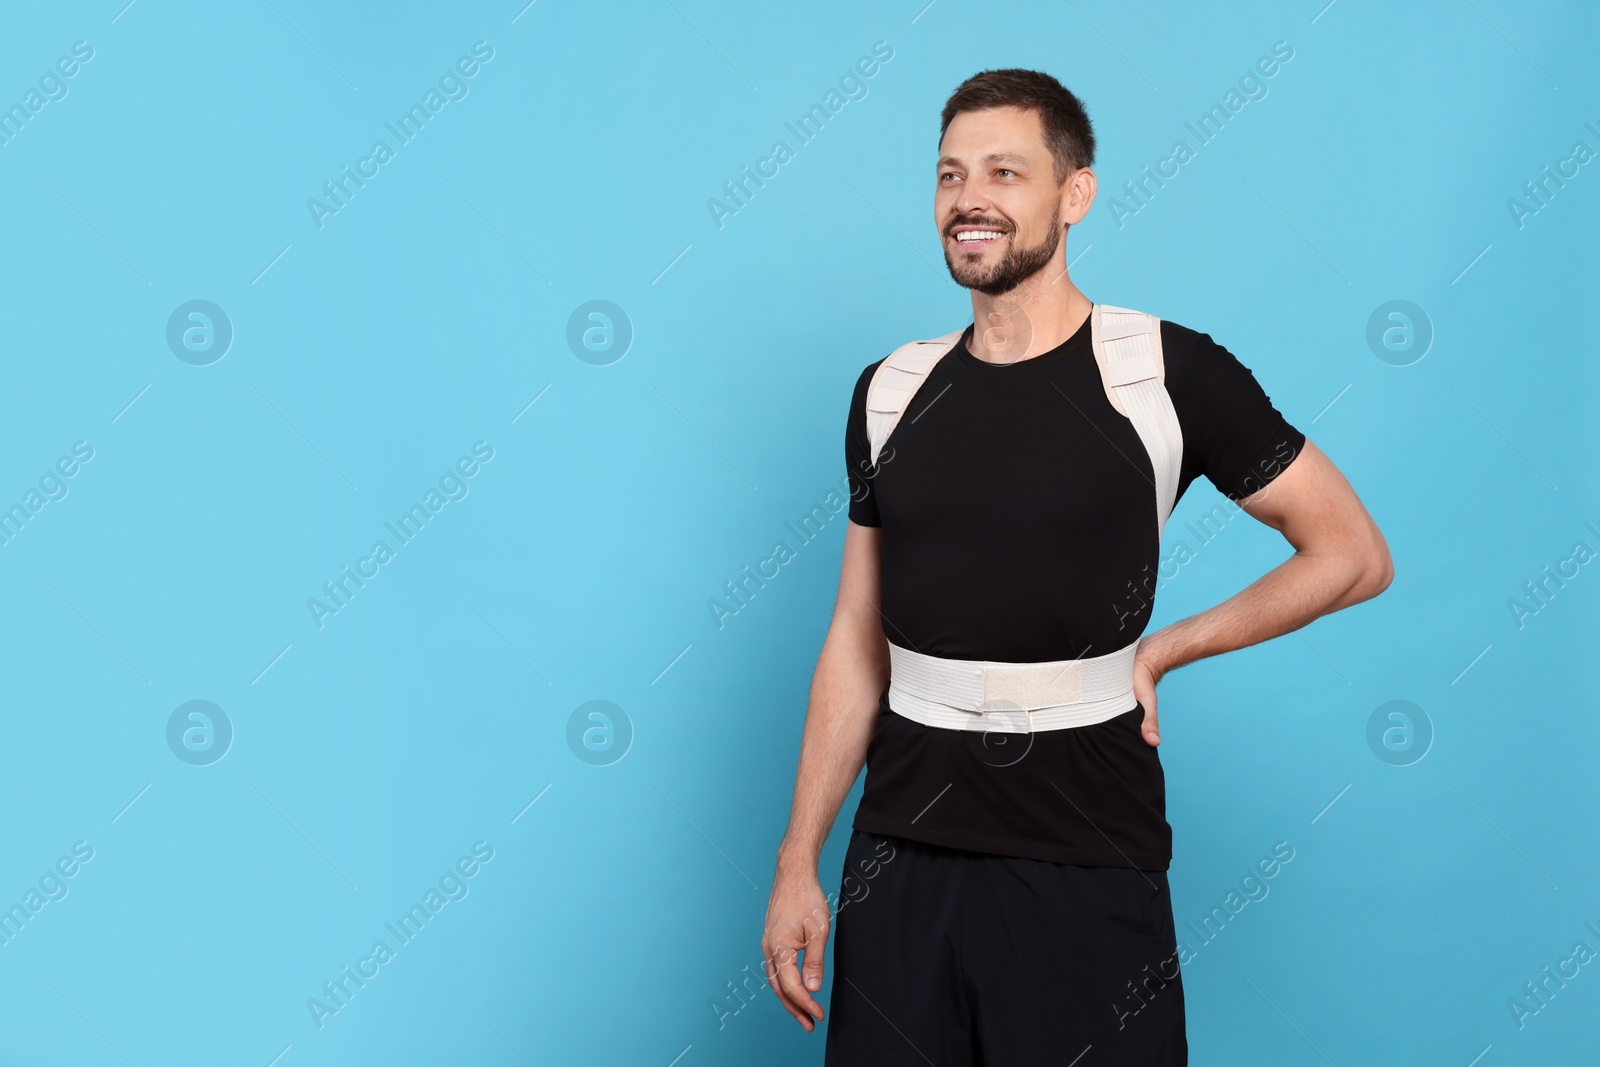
x,y
797,857
1149,653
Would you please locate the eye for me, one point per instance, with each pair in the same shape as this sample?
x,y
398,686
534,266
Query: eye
x,y
1002,170
947,174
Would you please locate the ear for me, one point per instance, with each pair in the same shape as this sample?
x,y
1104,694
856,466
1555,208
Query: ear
x,y
1077,196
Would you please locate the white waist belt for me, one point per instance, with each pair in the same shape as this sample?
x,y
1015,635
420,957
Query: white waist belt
x,y
1018,698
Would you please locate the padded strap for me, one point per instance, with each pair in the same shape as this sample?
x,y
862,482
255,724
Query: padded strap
x,y
896,381
1127,348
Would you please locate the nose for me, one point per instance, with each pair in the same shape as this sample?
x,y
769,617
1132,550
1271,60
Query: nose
x,y
970,201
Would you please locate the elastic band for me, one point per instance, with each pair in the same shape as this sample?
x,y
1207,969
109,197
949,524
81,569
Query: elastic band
x,y
991,695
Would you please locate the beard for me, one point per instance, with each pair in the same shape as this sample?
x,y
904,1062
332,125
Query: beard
x,y
1014,268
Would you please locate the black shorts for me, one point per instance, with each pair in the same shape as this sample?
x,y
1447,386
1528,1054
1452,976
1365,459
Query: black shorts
x,y
956,958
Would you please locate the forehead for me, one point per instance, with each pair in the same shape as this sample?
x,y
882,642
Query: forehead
x,y
998,134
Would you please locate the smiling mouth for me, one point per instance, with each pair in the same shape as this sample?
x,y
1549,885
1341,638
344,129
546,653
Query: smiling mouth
x,y
977,240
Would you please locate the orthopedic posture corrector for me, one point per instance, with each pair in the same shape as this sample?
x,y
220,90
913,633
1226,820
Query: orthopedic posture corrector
x,y
1023,697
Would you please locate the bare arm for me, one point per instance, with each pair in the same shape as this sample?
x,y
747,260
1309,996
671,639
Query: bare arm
x,y
852,670
1340,558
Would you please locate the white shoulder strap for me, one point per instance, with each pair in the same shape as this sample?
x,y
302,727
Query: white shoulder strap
x,y
896,381
1127,347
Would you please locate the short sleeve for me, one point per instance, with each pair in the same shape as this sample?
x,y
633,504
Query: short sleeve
x,y
858,456
1232,433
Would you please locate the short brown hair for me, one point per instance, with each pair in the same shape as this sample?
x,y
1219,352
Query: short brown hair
x,y
1067,130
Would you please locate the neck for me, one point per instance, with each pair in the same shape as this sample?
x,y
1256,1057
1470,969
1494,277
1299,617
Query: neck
x,y
1031,319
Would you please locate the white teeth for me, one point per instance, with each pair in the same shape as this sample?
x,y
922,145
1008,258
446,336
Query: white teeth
x,y
977,235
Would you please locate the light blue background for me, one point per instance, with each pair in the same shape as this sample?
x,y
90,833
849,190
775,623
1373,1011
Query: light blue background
x,y
432,310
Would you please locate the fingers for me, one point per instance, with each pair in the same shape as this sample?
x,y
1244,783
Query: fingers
x,y
784,979
788,1005
794,989
798,918
770,961
816,941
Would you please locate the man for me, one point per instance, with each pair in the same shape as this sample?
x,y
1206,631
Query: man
x,y
1005,898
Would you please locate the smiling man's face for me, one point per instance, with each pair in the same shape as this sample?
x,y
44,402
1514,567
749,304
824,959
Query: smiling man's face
x,y
996,184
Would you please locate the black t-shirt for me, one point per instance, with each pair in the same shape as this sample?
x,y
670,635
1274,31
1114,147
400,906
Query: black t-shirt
x,y
1018,516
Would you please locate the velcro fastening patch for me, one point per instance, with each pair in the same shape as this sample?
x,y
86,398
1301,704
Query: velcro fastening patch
x,y
1130,369
1033,685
